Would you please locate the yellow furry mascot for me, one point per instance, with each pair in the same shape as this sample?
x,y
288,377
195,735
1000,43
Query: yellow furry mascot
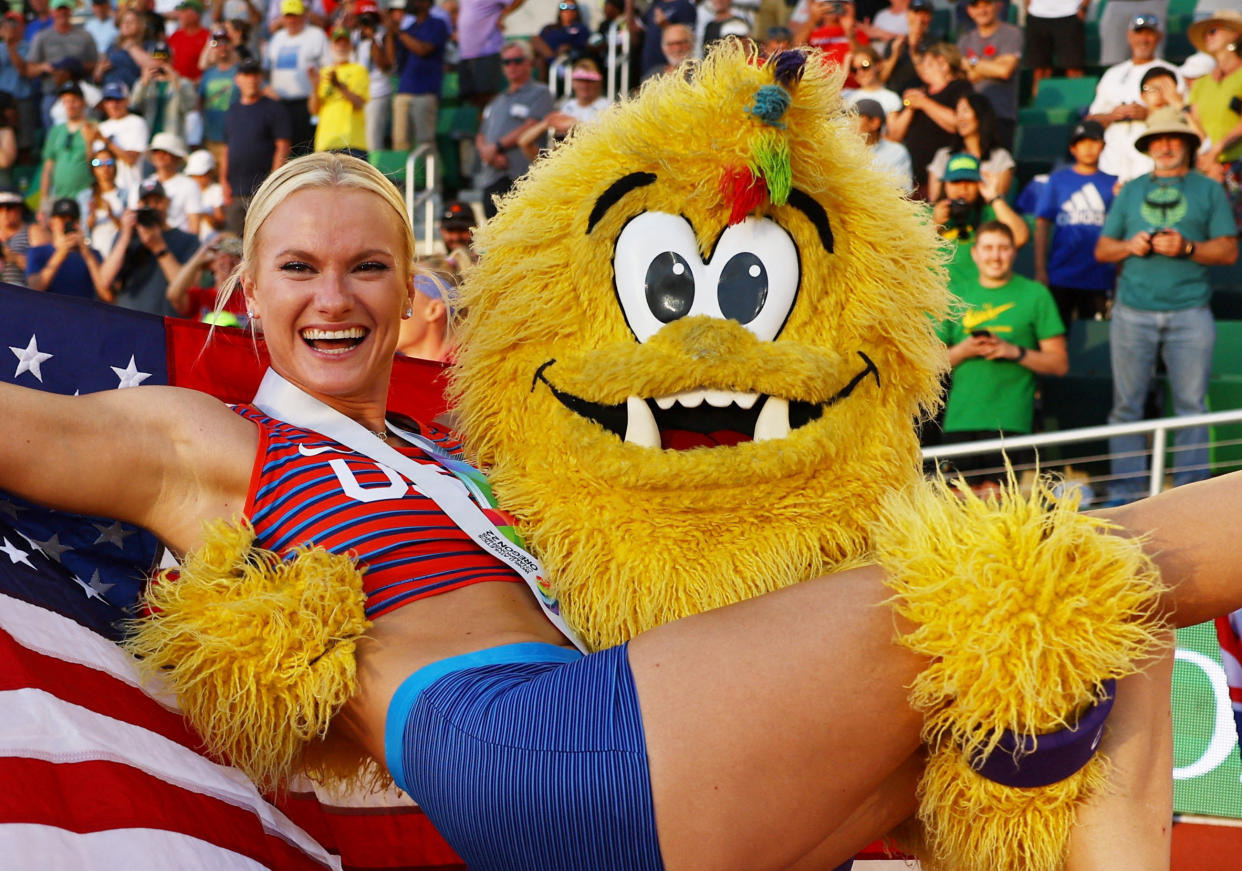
x,y
698,340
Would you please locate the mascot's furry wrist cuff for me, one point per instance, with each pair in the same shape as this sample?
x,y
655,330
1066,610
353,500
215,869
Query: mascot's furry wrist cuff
x,y
258,650
1025,611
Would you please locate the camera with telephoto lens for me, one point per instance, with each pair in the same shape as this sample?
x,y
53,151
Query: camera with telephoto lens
x,y
368,19
961,217
149,218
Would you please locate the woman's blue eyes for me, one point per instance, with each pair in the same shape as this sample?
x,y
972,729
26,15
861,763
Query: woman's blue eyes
x,y
299,266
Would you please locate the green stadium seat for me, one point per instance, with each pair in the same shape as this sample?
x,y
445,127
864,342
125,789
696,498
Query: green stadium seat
x,y
1181,8
1058,92
1047,115
390,163
1042,142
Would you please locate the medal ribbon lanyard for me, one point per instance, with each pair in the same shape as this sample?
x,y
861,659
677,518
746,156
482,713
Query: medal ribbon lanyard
x,y
279,399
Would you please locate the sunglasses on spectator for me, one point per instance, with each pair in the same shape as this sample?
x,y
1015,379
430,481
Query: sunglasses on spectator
x,y
512,61
564,7
860,66
103,161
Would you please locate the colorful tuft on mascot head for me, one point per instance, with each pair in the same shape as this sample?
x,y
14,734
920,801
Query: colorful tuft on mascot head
x,y
698,341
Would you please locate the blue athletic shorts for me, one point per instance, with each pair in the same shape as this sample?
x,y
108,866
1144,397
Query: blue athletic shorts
x,y
528,756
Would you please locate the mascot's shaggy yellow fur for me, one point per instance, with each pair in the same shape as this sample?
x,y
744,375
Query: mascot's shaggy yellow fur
x,y
697,342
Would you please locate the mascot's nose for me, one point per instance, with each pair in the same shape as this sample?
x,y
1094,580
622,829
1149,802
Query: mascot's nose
x,y
702,337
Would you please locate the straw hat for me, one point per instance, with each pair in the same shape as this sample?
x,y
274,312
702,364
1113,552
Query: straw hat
x,y
1164,122
1230,18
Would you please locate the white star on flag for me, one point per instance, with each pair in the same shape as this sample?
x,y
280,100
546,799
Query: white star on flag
x,y
52,548
94,588
130,376
14,554
29,359
114,534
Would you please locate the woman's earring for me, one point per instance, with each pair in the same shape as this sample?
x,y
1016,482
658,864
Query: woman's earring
x,y
409,311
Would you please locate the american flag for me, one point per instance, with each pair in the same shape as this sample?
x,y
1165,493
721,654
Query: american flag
x,y
1229,636
100,771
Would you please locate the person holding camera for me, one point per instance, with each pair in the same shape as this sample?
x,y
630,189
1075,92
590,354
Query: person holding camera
x,y
163,96
1167,227
969,199
1004,331
190,298
68,265
375,51
147,255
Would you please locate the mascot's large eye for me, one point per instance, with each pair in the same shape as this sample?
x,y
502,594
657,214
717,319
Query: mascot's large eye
x,y
656,266
759,274
743,287
669,287
752,277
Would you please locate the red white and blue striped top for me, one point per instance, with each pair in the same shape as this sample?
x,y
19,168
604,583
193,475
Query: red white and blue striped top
x,y
306,488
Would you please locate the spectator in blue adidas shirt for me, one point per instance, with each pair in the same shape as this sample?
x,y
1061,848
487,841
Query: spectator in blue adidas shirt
x,y
1068,218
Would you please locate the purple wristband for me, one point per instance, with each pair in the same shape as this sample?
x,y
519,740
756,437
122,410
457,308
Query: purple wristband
x,y
1026,763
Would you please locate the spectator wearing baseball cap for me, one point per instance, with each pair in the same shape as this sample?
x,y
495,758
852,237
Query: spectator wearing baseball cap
x,y
457,223
216,88
340,98
163,96
1121,104
67,265
292,52
1118,21
200,168
257,137
126,134
66,172
888,155
969,200
1071,210
189,39
61,40
148,254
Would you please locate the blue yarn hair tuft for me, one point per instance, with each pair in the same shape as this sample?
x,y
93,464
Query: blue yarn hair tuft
x,y
771,103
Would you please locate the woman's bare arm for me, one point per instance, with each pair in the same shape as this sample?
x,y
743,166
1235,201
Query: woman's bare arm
x,y
165,458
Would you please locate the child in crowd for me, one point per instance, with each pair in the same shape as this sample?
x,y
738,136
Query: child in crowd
x,y
1071,211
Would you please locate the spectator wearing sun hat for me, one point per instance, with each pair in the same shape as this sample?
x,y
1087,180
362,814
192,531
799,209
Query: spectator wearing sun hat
x,y
51,44
293,51
1166,228
167,155
1215,106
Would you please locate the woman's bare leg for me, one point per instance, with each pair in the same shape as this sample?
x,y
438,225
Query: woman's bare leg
x,y
1130,824
1193,537
779,722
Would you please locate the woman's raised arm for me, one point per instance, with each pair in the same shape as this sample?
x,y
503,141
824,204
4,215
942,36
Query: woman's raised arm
x,y
162,457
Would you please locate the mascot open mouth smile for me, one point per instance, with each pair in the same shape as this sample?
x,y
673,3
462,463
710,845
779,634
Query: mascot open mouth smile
x,y
703,417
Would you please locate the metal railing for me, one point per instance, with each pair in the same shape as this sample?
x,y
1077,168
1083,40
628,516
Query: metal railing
x,y
1159,428
425,197
618,58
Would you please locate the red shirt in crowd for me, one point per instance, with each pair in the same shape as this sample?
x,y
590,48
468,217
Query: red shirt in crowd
x,y
186,49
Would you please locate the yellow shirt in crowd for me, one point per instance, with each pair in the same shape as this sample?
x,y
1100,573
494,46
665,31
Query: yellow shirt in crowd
x,y
340,124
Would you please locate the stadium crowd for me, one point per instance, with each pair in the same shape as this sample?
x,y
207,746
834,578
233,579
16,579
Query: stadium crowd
x,y
132,136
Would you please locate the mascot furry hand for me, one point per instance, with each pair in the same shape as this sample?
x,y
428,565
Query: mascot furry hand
x,y
698,338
